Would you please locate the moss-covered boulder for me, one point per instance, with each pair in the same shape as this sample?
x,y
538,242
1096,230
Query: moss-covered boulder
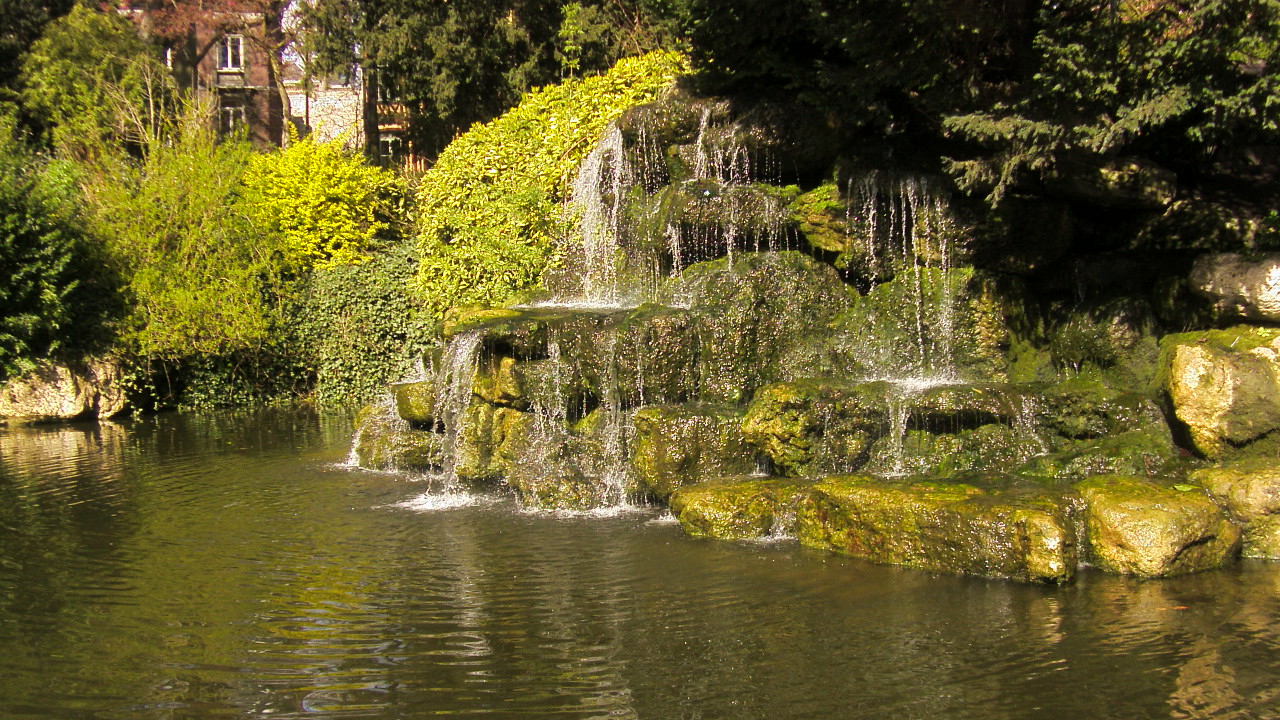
x,y
385,441
1148,451
1113,340
737,508
1224,385
1138,527
811,426
1250,493
682,445
1082,409
499,381
416,401
758,318
482,453
1024,534
964,449
925,321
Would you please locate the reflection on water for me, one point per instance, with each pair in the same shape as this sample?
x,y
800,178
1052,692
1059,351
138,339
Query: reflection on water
x,y
225,566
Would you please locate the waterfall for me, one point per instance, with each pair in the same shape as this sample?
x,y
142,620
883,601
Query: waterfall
x,y
457,375
597,196
904,228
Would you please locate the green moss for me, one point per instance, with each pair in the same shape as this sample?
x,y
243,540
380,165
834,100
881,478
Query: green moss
x,y
682,445
416,401
1250,493
738,509
383,441
813,425
1147,452
1024,534
1138,527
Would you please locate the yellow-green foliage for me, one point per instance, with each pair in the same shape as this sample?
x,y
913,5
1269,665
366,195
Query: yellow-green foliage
x,y
323,206
490,207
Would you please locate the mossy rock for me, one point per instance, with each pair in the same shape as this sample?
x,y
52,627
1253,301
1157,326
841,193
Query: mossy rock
x,y
384,441
1083,409
476,317
483,454
1113,339
648,355
948,454
756,317
822,217
1138,527
416,401
1147,452
500,381
682,445
1224,386
1025,533
737,508
809,426
953,407
1250,493
925,322
710,216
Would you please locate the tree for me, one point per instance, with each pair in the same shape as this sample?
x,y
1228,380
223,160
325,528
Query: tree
x,y
458,63
21,22
98,84
1173,81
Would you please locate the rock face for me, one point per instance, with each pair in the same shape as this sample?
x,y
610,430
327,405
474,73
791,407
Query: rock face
x,y
686,444
1239,287
1224,385
1137,527
1250,493
740,508
57,392
1020,534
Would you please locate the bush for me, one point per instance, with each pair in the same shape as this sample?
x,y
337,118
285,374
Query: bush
x,y
359,328
45,306
490,207
323,206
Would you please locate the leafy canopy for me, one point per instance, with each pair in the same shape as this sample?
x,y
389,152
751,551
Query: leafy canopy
x,y
490,208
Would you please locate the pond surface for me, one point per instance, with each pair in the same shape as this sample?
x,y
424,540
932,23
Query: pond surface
x,y
229,566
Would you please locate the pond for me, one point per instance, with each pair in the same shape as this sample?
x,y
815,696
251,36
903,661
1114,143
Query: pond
x,y
230,565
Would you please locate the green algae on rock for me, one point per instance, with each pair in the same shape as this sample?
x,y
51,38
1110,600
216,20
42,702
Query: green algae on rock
x,y
739,508
385,441
1024,533
814,425
1138,527
681,445
1250,493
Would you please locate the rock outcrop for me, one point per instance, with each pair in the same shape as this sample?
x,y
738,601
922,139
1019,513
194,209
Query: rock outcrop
x,y
52,392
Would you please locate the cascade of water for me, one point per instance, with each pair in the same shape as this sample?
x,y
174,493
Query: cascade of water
x,y
903,229
456,377
597,196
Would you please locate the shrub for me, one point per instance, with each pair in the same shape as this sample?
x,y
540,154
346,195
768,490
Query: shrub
x,y
324,207
44,253
490,207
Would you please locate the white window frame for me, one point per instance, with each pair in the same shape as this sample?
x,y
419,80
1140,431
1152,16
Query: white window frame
x,y
231,53
231,119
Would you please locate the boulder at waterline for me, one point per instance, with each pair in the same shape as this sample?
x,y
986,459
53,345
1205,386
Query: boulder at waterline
x,y
1239,287
385,441
57,392
1224,385
1250,493
681,445
1138,527
1024,533
814,425
739,508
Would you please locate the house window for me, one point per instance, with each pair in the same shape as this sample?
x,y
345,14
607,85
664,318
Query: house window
x,y
230,53
390,150
230,119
